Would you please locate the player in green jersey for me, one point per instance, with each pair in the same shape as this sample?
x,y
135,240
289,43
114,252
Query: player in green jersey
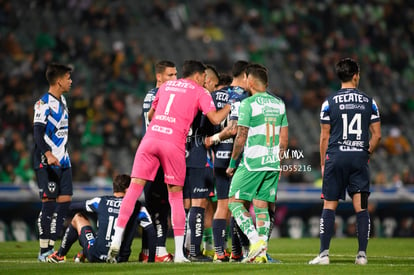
x,y
262,136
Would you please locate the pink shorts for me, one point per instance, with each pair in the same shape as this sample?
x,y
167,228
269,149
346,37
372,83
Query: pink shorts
x,y
153,152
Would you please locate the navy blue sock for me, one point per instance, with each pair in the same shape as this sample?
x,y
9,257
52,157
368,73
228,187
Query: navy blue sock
x,y
44,223
144,240
160,220
219,235
244,241
70,237
151,241
236,248
272,222
196,224
61,212
363,228
327,227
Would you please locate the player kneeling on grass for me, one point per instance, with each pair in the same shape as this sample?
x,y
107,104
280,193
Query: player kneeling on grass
x,y
96,246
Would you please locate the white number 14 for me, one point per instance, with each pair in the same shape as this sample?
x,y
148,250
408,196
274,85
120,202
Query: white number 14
x,y
354,126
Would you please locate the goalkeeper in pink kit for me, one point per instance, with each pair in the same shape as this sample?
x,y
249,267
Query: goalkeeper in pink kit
x,y
173,110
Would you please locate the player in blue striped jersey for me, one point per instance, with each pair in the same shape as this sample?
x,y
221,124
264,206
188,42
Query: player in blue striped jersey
x,y
350,132
51,157
199,178
222,145
96,245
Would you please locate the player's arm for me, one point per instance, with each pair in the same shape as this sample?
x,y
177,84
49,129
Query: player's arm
x,y
283,140
323,143
238,146
39,132
216,117
375,129
229,131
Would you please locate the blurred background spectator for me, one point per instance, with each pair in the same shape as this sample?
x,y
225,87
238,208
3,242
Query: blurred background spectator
x,y
113,46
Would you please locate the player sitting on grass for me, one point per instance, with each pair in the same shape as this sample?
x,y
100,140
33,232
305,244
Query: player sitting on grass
x,y
95,246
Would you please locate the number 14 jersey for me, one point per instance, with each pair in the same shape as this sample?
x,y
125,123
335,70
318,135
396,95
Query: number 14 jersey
x,y
350,113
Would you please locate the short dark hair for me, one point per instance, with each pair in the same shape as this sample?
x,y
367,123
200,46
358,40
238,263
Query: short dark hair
x,y
213,68
191,67
55,71
121,182
260,73
253,66
162,65
239,67
225,79
346,68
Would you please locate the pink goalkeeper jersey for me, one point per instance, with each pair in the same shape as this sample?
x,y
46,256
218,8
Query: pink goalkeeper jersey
x,y
176,104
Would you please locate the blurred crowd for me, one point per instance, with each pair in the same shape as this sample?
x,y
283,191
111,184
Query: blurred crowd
x,y
299,41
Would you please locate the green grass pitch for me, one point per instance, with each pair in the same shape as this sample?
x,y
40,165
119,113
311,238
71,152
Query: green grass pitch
x,y
385,256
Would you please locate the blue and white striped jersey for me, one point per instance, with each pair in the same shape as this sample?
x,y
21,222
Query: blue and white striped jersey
x,y
54,115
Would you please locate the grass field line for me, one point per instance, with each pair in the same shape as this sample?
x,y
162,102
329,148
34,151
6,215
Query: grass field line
x,y
276,255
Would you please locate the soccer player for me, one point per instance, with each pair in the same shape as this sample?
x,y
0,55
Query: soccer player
x,y
173,110
51,158
262,135
95,245
347,120
222,143
156,194
199,180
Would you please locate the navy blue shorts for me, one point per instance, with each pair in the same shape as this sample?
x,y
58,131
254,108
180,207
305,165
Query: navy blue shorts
x,y
345,172
54,182
222,183
199,183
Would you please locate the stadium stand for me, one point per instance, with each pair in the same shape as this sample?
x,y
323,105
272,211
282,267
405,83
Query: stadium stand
x,y
113,46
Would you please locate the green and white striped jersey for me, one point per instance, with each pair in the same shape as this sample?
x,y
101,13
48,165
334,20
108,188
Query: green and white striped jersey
x,y
264,114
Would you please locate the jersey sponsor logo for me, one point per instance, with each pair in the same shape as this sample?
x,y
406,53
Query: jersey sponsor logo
x,y
149,98
229,140
161,129
222,96
351,97
264,101
351,107
349,149
62,133
113,203
270,113
270,159
223,154
180,84
220,105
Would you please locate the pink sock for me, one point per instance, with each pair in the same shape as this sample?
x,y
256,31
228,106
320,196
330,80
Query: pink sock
x,y
177,212
128,203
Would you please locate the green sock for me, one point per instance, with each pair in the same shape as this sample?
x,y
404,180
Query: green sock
x,y
262,221
243,219
208,238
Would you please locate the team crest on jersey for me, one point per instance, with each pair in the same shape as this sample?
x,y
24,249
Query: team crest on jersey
x,y
51,186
